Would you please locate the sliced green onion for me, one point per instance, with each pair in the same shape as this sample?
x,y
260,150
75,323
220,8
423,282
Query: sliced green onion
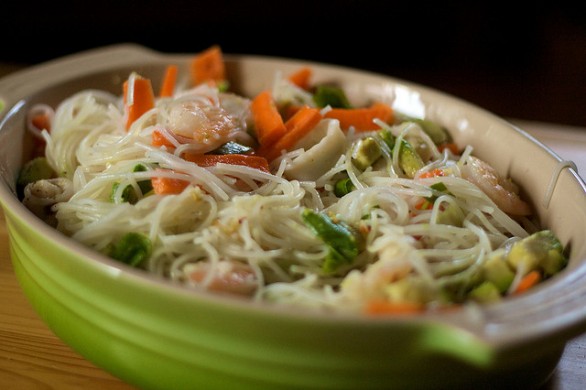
x,y
132,249
342,242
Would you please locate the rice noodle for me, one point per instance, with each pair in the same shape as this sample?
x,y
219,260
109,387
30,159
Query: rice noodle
x,y
255,218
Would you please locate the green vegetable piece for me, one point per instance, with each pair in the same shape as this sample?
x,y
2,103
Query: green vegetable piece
x,y
412,289
497,271
343,187
388,138
132,249
450,215
128,193
145,186
409,161
439,188
341,240
34,170
367,151
232,147
330,95
333,261
223,86
541,250
436,132
486,292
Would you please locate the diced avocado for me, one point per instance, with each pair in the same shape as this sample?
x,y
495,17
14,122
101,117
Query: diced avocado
x,y
410,289
409,161
34,170
486,292
387,137
451,214
436,132
541,250
366,152
497,271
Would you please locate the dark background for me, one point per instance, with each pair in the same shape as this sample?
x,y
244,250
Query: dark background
x,y
524,63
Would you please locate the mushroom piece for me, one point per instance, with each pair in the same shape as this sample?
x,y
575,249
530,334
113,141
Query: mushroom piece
x,y
41,195
323,147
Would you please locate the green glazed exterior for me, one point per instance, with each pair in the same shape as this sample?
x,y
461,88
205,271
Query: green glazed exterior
x,y
158,337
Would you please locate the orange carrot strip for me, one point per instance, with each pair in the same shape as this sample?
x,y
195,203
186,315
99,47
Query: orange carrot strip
x,y
301,77
168,186
297,127
207,160
289,110
141,100
157,139
169,80
208,66
384,307
361,118
424,204
449,145
41,121
528,281
268,122
433,173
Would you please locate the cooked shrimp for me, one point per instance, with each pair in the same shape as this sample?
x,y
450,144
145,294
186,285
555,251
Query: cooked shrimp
x,y
206,125
225,276
503,192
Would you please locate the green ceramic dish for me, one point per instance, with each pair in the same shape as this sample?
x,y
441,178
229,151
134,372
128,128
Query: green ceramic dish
x,y
156,335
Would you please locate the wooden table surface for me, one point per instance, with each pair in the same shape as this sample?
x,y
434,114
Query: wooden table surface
x,y
32,357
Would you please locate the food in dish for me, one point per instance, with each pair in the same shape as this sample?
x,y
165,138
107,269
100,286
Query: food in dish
x,y
292,196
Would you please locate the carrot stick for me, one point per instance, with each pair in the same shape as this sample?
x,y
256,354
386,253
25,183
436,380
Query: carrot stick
x,y
384,307
157,139
168,85
138,98
449,145
298,126
361,118
289,110
208,66
301,77
42,122
433,173
268,122
424,204
168,186
528,281
207,160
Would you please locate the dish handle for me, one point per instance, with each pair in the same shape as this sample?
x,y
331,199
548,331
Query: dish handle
x,y
530,321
